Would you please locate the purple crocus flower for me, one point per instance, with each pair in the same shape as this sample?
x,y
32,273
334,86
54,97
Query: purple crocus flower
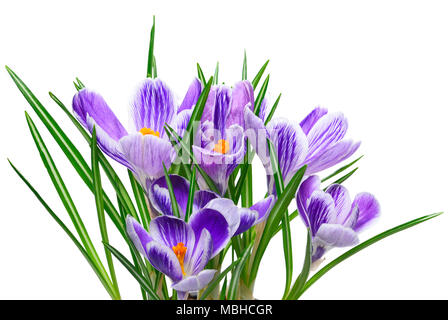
x,y
219,146
238,219
334,220
317,142
145,150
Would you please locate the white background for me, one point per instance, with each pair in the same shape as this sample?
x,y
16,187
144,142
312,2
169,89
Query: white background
x,y
383,63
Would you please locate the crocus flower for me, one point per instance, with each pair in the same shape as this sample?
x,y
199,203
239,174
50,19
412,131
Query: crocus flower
x,y
238,219
317,142
219,146
334,220
145,150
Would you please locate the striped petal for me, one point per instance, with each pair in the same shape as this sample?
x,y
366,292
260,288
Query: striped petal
x,y
164,259
369,210
170,231
195,283
139,236
192,96
242,96
311,119
159,194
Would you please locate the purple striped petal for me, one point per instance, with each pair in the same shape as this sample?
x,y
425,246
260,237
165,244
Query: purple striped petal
x,y
170,231
229,210
160,198
263,207
327,131
153,106
180,122
335,235
248,218
320,210
342,202
311,119
192,96
146,155
332,156
139,236
195,283
263,109
221,110
196,259
306,189
202,198
369,210
87,102
164,259
215,223
207,114
257,134
242,96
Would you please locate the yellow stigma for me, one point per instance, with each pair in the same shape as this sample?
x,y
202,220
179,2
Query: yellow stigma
x,y
145,131
180,251
222,146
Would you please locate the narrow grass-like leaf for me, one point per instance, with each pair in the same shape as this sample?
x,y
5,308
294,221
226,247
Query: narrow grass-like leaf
x,y
274,218
259,75
215,78
274,107
342,179
291,217
244,72
364,245
341,169
303,276
128,265
154,67
261,95
236,274
140,199
174,204
223,293
100,208
191,195
100,276
65,197
212,285
200,74
149,72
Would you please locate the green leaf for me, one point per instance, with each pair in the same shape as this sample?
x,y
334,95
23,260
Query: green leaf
x,y
174,204
364,245
341,169
191,195
303,276
212,285
98,273
342,179
149,72
244,75
140,199
259,75
260,96
274,218
128,265
200,74
223,293
236,274
274,107
216,73
100,208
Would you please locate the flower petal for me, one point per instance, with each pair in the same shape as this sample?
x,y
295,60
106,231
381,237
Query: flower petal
x,y
248,218
164,259
87,102
257,134
170,231
153,106
195,283
242,96
228,209
139,236
320,210
221,110
335,235
342,202
201,198
192,95
306,189
215,223
311,119
196,259
180,122
158,193
369,209
263,207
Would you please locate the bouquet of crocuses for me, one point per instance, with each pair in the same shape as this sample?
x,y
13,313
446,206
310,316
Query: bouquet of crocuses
x,y
193,229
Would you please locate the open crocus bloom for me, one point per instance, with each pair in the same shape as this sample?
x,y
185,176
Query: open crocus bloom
x,y
334,220
146,150
317,142
219,146
238,219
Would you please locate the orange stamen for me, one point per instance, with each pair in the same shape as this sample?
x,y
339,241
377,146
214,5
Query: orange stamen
x,y
222,146
180,251
145,131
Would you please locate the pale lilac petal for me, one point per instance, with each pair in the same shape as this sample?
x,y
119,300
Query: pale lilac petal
x,y
263,207
327,131
202,198
159,194
228,209
306,189
196,258
242,96
146,154
180,122
207,114
332,156
335,235
192,96
369,210
320,210
171,231
139,236
153,106
215,223
342,202
195,283
311,119
248,218
257,134
263,110
164,259
87,102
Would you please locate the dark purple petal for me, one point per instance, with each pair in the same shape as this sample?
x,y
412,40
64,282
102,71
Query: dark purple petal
x,y
242,96
202,198
215,223
335,235
158,193
195,283
327,131
139,236
153,106
263,207
311,119
320,210
229,210
369,209
192,96
170,231
248,218
196,259
332,156
221,110
306,189
342,202
164,259
87,102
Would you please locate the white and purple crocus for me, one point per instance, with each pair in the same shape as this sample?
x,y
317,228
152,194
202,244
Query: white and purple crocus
x,y
334,220
147,148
